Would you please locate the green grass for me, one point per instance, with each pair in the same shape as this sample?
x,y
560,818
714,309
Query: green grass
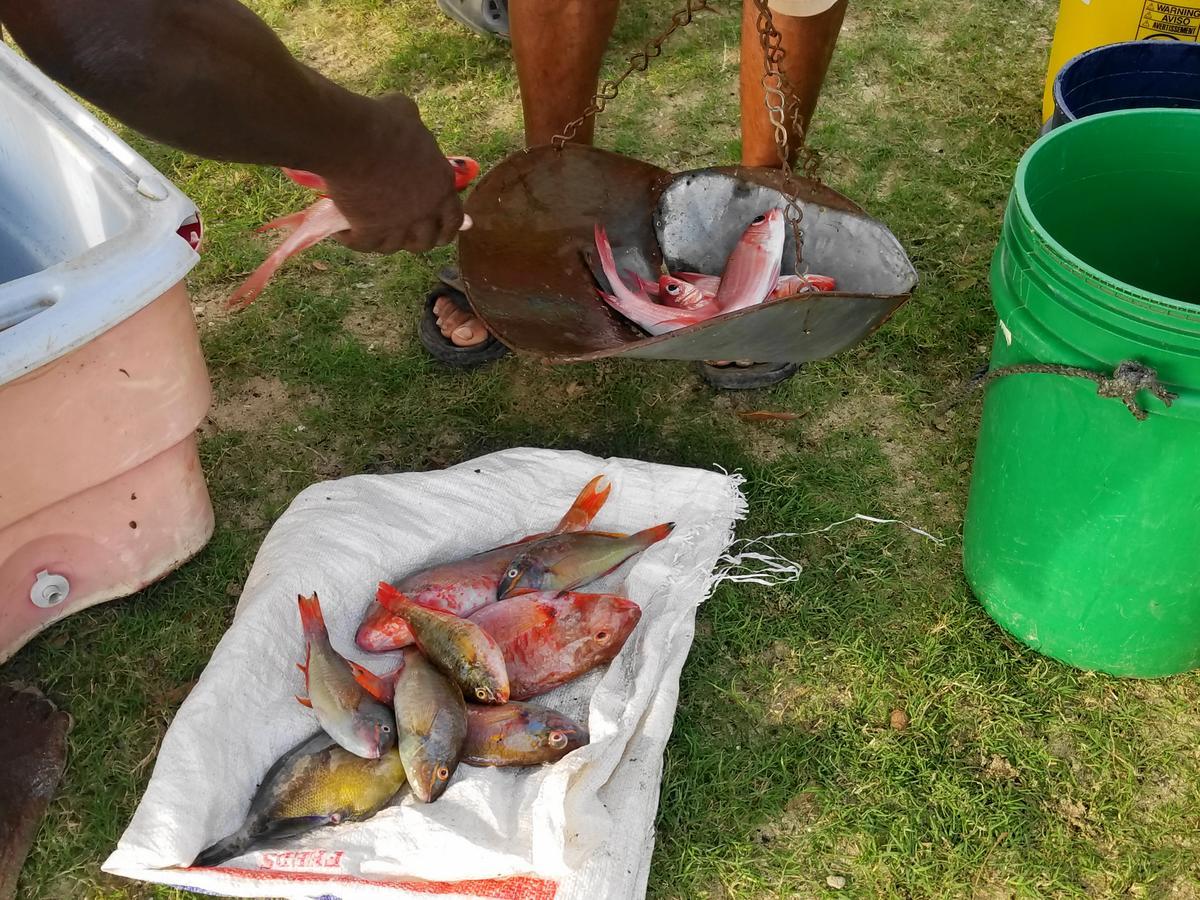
x,y
1015,777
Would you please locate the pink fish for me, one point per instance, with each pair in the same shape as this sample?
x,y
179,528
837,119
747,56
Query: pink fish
x,y
637,306
672,291
312,225
785,286
753,267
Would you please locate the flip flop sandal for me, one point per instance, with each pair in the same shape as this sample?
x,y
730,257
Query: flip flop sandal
x,y
745,378
438,345
486,17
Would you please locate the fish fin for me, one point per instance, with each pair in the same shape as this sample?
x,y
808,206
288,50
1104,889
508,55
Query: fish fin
x,y
611,534
390,598
381,687
654,535
303,667
306,179
586,505
227,848
304,701
821,282
311,618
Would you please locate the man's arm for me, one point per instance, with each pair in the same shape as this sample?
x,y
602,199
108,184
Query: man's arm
x,y
209,77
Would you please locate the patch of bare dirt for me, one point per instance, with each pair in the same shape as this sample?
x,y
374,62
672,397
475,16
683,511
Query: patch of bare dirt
x,y
259,403
379,328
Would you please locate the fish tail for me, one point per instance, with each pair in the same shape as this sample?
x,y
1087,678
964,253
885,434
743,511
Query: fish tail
x,y
226,848
311,618
391,599
586,505
291,221
653,535
381,687
306,179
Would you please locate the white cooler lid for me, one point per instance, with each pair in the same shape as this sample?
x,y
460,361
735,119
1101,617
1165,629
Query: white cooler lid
x,y
94,223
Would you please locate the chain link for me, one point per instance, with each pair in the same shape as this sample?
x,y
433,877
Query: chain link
x,y
638,62
777,92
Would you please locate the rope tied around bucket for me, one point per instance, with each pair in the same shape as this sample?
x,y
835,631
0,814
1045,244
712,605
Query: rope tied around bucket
x,y
1126,380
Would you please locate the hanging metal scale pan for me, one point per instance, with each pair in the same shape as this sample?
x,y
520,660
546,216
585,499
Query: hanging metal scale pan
x,y
527,259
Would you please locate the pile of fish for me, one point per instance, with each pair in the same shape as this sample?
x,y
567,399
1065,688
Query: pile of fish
x,y
480,636
681,299
312,225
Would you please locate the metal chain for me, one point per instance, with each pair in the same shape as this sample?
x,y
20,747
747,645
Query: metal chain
x,y
777,91
638,62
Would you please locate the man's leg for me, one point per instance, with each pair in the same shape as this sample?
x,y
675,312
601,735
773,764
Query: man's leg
x,y
808,42
558,46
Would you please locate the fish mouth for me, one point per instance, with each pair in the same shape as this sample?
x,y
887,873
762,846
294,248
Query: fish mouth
x,y
373,633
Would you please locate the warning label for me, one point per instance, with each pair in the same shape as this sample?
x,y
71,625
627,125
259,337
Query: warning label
x,y
1173,21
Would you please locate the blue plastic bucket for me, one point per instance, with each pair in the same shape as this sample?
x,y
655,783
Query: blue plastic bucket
x,y
1129,75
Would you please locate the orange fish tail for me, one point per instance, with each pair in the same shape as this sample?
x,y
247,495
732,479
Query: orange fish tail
x,y
381,687
311,618
306,179
390,598
586,505
655,534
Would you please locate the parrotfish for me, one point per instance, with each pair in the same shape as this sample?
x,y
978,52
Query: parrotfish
x,y
519,734
464,585
562,562
548,641
431,716
316,783
350,715
458,647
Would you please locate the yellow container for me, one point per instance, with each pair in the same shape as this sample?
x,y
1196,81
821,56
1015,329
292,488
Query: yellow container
x,y
1084,24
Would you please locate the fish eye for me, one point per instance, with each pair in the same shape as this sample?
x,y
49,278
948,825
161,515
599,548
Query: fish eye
x,y
558,739
483,693
386,729
672,289
513,573
442,773
758,220
602,636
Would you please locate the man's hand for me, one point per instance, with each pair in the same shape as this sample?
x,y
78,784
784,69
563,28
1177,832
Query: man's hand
x,y
396,190
211,78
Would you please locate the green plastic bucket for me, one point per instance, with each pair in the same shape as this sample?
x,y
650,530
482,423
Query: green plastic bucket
x,y
1082,532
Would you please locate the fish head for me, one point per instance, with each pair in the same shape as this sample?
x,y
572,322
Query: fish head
x,y
381,630
766,227
553,732
430,778
677,292
465,170
611,619
526,574
375,726
485,686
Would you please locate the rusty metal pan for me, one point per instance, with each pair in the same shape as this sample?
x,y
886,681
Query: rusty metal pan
x,y
526,260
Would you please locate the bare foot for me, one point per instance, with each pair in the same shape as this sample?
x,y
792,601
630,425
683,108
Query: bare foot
x,y
460,328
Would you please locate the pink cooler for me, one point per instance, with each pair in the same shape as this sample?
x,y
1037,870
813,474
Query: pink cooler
x,y
102,382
